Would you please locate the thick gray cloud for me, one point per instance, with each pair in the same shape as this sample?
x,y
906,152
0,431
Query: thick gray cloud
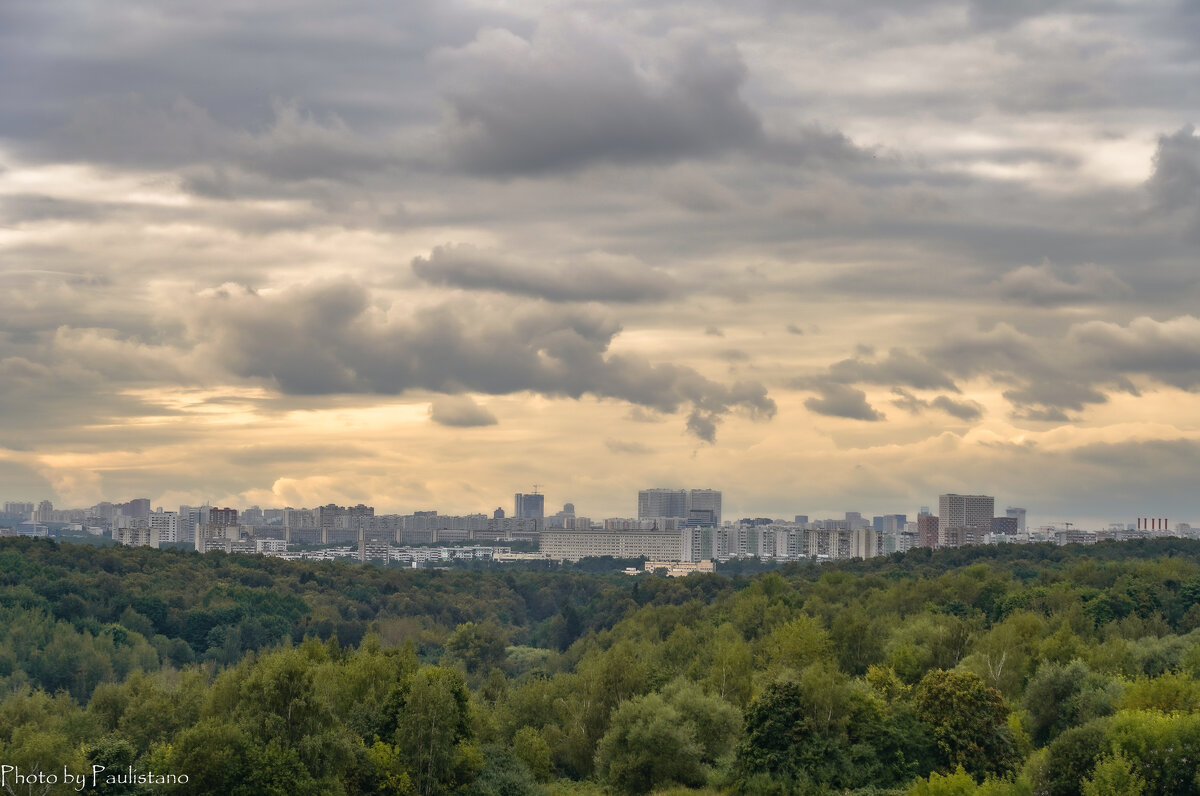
x,y
1047,396
586,280
1003,349
570,96
359,62
1047,377
68,397
963,410
1041,378
296,145
459,411
1166,350
1043,286
898,367
889,174
330,338
839,400
1175,183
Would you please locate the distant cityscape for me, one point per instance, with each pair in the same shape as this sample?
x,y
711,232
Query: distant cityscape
x,y
673,527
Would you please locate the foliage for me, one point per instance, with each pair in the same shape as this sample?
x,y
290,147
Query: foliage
x,y
969,721
1114,776
1006,670
649,744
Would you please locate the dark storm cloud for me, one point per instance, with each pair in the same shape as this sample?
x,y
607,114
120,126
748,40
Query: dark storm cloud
x,y
839,400
473,269
459,411
570,96
330,338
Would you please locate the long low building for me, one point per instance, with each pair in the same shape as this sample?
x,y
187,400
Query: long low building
x,y
678,569
574,545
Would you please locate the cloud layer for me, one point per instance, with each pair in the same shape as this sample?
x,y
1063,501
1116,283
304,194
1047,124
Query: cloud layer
x,y
328,338
264,252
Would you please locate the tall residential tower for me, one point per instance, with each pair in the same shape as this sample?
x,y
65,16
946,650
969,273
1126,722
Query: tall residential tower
x,y
964,519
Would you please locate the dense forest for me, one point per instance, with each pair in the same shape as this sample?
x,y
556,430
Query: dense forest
x,y
1024,669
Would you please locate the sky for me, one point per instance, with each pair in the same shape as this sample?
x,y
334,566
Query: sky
x,y
822,256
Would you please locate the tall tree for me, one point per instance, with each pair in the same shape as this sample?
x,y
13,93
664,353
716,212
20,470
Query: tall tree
x,y
969,721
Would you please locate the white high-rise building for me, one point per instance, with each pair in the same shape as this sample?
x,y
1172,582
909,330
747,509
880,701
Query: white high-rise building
x,y
964,518
166,525
865,543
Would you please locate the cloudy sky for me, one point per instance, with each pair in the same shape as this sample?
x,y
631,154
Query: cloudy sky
x,y
824,256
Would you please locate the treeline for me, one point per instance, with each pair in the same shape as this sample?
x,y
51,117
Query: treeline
x,y
997,670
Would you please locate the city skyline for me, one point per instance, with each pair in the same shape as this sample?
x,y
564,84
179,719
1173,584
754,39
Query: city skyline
x,y
967,511
818,257
659,533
